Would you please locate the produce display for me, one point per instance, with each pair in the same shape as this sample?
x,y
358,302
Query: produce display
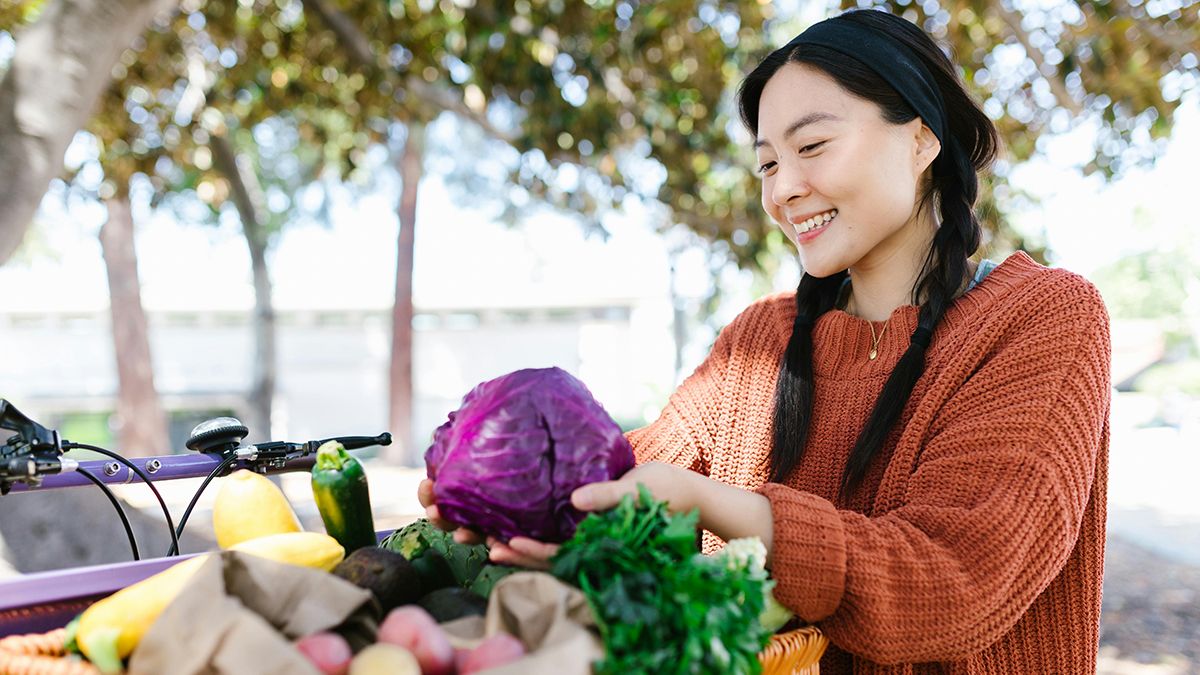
x,y
109,630
507,461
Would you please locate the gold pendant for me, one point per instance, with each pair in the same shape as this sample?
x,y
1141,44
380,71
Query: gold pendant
x,y
873,354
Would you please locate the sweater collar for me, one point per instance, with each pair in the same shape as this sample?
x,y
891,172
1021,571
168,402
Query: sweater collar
x,y
842,341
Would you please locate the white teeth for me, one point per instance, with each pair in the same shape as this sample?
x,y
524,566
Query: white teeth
x,y
815,221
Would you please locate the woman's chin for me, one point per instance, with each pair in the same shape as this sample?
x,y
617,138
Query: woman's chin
x,y
818,267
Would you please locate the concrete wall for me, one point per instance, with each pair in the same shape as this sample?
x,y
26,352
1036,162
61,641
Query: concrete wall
x,y
332,365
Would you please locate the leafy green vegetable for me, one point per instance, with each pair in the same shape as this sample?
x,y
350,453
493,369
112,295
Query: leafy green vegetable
x,y
414,539
489,576
422,542
750,551
661,606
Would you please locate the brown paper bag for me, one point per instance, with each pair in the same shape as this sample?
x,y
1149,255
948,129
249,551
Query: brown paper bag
x,y
552,619
239,613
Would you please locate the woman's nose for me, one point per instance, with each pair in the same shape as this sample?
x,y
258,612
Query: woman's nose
x,y
790,183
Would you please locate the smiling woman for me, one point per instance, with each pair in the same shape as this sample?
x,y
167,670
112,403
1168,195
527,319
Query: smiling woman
x,y
920,442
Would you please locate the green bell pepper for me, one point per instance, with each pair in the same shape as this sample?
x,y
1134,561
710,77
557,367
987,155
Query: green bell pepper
x,y
339,487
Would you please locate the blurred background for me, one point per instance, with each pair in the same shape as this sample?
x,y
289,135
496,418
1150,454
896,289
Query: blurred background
x,y
327,217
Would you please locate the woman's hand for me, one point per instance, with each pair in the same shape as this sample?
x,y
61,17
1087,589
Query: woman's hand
x,y
522,552
663,480
727,511
666,482
519,551
462,535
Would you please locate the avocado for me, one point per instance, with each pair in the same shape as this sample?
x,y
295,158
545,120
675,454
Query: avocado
x,y
387,574
448,604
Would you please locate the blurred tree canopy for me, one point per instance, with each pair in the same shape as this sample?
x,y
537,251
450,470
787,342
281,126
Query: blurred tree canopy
x,y
636,94
1040,67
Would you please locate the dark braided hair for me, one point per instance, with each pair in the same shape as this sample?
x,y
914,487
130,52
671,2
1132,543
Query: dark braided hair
x,y
970,145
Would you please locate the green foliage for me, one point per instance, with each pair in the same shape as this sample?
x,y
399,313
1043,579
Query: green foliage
x,y
422,538
1147,285
1123,63
1181,377
87,427
601,99
661,606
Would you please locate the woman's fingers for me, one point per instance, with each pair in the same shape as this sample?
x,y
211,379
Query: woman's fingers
x,y
427,499
425,493
533,548
523,552
469,537
435,517
601,496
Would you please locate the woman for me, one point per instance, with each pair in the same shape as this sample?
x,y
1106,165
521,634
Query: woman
x,y
920,442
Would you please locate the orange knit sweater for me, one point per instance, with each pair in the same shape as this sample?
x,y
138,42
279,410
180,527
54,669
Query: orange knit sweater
x,y
976,542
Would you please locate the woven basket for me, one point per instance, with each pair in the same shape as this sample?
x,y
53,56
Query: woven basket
x,y
796,652
40,653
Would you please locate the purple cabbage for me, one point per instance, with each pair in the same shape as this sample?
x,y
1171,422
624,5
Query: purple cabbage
x,y
506,462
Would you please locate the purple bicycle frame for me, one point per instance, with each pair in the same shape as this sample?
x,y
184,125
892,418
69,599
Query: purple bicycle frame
x,y
165,467
44,601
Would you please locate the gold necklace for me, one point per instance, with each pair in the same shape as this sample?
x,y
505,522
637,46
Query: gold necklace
x,y
875,340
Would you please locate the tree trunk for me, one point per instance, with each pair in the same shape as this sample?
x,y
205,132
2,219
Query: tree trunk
x,y
247,197
400,379
141,423
60,68
679,317
262,391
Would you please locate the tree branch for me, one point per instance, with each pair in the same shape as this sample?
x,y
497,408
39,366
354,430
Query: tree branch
x,y
447,100
243,184
1057,85
61,66
362,54
1173,42
353,39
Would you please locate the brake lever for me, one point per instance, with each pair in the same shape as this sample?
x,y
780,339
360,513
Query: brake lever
x,y
30,437
276,454
351,442
32,452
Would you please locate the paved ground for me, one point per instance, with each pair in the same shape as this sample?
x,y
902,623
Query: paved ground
x,y
1151,611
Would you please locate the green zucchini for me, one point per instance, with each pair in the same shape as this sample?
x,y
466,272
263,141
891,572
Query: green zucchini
x,y
339,487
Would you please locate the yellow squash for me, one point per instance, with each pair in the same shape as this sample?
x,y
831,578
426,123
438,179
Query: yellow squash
x,y
248,506
308,549
111,628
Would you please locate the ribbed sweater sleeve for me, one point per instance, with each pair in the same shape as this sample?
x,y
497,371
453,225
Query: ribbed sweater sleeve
x,y
992,509
686,429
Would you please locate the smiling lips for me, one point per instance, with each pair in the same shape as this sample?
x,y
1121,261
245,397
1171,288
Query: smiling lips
x,y
813,222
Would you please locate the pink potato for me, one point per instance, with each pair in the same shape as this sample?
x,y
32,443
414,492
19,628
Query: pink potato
x,y
414,629
460,658
498,650
329,652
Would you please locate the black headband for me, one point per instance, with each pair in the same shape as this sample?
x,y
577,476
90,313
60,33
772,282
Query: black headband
x,y
894,62
903,70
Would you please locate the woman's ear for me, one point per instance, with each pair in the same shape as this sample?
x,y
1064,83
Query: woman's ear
x,y
926,147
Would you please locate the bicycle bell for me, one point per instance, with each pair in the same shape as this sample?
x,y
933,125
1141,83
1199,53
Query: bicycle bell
x,y
218,436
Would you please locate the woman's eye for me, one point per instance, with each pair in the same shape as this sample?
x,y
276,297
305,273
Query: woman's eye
x,y
811,147
766,167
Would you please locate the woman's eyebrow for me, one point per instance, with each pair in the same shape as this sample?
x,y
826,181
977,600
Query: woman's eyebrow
x,y
811,118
